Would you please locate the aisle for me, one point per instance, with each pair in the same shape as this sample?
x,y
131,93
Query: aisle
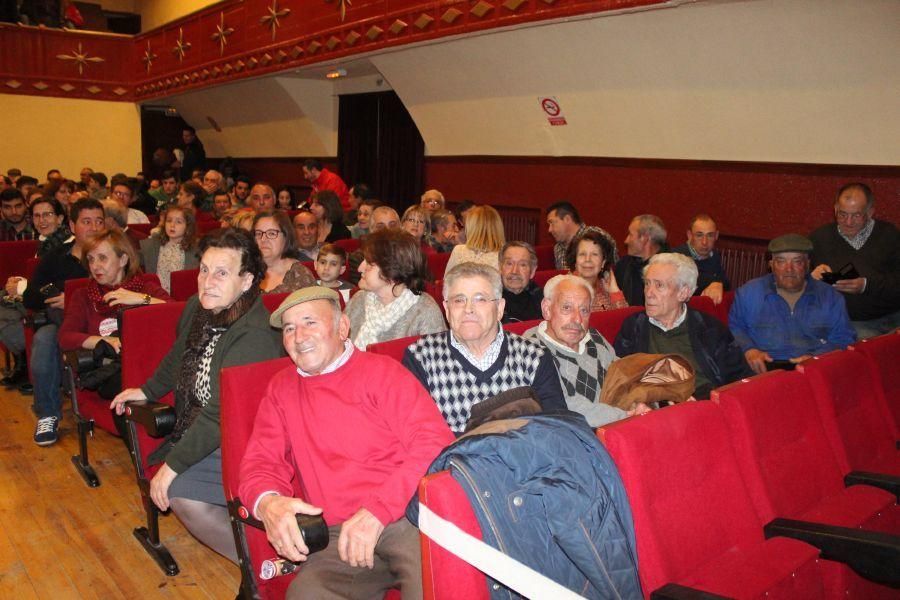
x,y
60,539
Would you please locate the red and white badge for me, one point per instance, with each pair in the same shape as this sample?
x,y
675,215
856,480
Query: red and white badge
x,y
108,327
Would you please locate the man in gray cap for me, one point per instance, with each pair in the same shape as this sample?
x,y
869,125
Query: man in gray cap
x,y
358,432
783,318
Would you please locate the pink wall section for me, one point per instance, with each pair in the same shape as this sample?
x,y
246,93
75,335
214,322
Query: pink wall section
x,y
757,200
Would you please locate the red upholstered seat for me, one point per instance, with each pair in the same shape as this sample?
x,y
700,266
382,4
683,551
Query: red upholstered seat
x,y
545,256
141,227
444,575
851,404
393,348
183,284
542,277
884,352
719,311
520,327
608,322
437,264
785,458
349,245
13,256
693,519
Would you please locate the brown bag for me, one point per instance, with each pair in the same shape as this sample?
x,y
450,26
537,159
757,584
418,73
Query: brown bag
x,y
647,378
505,405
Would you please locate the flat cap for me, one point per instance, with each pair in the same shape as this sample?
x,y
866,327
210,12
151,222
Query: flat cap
x,y
307,294
791,242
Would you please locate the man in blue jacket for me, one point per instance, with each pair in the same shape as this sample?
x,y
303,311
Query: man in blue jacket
x,y
788,315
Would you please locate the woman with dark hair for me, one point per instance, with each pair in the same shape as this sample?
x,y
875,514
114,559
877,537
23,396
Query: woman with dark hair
x,y
48,217
61,190
390,303
174,247
278,245
190,195
224,325
327,208
284,199
590,257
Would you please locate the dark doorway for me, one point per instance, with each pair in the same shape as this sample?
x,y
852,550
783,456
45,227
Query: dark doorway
x,y
379,144
159,131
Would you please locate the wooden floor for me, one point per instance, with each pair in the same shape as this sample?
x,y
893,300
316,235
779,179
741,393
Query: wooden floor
x,y
60,539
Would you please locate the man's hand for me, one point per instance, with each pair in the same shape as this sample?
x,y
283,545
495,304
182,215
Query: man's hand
x,y
714,291
159,486
127,395
817,272
800,359
757,360
56,301
12,286
279,515
359,534
851,286
639,409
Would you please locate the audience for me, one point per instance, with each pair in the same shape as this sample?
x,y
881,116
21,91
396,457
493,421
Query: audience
x,y
322,180
167,192
667,325
417,223
278,247
327,208
225,324
330,265
190,195
444,231
701,246
391,302
477,359
484,239
363,218
241,191
60,189
788,316
97,186
589,257
646,237
220,205
432,200
194,154
212,184
518,264
117,218
15,225
262,197
123,193
306,228
284,199
565,224
871,247
384,217
174,247
357,432
357,195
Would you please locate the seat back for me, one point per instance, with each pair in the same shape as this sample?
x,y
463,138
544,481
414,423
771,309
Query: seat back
x,y
394,348
520,327
852,408
542,277
437,264
545,257
143,228
783,453
719,311
445,575
608,322
350,245
13,256
183,284
240,390
884,351
687,498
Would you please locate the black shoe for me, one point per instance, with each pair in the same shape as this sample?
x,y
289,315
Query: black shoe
x,y
14,379
26,388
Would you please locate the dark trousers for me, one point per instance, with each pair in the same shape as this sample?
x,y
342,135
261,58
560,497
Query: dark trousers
x,y
398,563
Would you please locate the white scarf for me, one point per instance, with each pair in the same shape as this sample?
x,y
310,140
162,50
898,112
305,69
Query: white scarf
x,y
380,317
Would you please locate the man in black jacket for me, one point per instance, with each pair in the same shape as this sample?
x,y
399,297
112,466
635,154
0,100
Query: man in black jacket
x,y
646,237
669,326
872,247
518,264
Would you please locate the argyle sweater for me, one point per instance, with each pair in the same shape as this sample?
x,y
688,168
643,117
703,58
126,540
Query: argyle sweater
x,y
582,376
456,385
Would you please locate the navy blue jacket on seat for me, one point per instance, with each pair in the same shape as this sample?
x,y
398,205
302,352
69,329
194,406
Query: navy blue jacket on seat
x,y
547,493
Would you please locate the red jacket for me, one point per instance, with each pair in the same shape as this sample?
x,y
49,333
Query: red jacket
x,y
331,181
361,437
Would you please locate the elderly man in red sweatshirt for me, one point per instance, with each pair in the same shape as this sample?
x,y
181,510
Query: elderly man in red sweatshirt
x,y
359,431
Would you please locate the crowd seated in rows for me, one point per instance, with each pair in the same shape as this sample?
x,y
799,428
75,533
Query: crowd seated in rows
x,y
484,239
275,238
174,247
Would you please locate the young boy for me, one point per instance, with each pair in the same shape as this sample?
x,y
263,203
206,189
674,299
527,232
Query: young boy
x,y
330,265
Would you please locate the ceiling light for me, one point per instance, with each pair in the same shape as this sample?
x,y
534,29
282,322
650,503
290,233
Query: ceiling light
x,y
336,73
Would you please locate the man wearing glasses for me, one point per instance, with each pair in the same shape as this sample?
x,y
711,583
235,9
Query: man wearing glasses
x,y
701,246
862,256
477,360
123,193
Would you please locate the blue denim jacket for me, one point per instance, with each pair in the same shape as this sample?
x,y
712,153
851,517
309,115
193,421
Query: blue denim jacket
x,y
547,493
762,319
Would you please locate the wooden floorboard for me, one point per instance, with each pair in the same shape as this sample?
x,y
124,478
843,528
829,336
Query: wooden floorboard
x,y
60,539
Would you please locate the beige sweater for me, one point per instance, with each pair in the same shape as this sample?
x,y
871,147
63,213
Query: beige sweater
x,y
424,317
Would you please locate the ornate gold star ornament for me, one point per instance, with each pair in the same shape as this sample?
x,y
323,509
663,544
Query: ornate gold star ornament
x,y
342,5
270,20
149,57
181,47
222,33
81,58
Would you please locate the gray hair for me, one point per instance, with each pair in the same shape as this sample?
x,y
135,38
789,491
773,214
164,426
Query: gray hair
x,y
652,226
553,283
532,255
473,269
114,210
685,268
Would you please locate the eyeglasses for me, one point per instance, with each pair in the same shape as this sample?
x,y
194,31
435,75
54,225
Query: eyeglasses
x,y
413,220
269,234
478,301
122,194
845,216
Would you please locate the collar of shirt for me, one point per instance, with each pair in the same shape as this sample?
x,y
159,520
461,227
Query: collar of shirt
x,y
697,256
582,344
860,238
677,322
485,362
339,362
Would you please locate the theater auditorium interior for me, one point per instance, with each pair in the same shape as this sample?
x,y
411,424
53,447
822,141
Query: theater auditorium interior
x,y
758,113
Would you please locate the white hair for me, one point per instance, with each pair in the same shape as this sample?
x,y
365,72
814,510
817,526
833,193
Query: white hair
x,y
685,268
553,283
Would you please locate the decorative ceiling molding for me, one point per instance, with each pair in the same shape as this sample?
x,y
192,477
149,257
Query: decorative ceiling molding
x,y
222,33
181,47
80,58
271,19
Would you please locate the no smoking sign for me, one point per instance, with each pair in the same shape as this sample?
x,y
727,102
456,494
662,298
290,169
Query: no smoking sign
x,y
551,108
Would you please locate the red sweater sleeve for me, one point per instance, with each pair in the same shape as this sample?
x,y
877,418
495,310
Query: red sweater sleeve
x,y
80,321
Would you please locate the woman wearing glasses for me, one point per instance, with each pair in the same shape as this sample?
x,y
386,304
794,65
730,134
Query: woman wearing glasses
x,y
391,303
278,246
416,221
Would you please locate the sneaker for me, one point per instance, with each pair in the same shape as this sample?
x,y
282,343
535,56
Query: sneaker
x,y
46,432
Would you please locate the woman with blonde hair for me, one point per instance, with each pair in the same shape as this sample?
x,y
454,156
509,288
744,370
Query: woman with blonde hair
x,y
484,239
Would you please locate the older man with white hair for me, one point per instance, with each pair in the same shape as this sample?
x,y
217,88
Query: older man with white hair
x,y
669,326
582,355
477,359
